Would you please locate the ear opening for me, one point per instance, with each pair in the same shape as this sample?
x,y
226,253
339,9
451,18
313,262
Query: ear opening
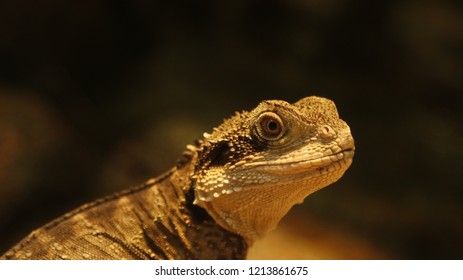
x,y
219,154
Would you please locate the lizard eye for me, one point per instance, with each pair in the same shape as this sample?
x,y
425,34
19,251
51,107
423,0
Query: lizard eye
x,y
270,126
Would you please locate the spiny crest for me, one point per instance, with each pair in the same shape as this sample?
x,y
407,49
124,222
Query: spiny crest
x,y
228,142
220,146
230,127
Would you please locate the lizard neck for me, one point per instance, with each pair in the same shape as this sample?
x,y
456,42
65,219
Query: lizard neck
x,y
254,218
204,238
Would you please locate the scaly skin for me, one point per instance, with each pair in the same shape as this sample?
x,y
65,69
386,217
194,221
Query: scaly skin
x,y
228,191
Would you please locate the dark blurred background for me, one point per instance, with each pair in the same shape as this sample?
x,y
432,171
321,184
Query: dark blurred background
x,y
96,96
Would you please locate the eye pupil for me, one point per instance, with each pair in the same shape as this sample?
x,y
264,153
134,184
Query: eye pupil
x,y
272,125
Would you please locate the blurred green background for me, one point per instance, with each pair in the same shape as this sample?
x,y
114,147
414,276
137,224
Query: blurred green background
x,y
96,96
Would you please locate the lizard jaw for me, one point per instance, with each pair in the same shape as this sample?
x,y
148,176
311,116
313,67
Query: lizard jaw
x,y
304,166
329,168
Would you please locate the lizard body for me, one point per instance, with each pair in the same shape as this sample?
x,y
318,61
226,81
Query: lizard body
x,y
226,192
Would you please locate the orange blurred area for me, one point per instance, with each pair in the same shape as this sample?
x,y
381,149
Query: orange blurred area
x,y
300,237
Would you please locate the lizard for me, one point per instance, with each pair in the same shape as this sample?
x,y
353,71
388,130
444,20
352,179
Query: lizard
x,y
227,191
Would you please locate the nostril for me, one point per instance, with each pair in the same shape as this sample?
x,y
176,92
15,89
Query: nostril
x,y
327,132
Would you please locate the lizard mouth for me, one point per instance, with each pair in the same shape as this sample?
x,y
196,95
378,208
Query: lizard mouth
x,y
329,163
338,161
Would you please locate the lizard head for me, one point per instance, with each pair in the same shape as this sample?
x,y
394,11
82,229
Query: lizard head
x,y
255,166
